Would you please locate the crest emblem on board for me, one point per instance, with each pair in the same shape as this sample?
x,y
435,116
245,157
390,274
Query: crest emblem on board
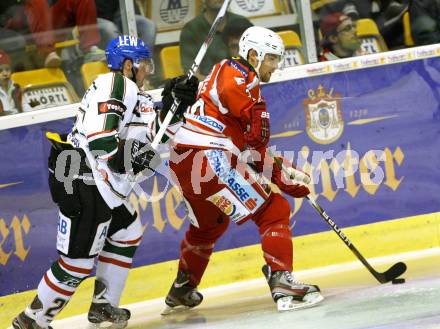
x,y
324,122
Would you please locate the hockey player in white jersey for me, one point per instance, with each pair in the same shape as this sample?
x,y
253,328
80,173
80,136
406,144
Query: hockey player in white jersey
x,y
101,156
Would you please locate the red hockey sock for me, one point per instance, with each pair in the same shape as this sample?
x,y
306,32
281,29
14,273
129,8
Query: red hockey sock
x,y
276,238
276,242
194,260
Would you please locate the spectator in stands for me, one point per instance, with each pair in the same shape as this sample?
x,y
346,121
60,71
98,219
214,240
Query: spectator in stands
x,y
194,33
66,14
425,21
339,38
110,23
22,18
232,33
387,14
10,92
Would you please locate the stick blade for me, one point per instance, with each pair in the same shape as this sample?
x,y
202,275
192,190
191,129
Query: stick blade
x,y
393,272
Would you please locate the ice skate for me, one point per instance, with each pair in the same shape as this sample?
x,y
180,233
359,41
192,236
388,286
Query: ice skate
x,y
26,319
182,295
102,314
290,294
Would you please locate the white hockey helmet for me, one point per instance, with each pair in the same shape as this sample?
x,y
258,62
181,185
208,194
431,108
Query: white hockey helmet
x,y
263,41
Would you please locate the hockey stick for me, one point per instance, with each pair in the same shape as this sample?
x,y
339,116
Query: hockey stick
x,y
383,277
191,72
165,123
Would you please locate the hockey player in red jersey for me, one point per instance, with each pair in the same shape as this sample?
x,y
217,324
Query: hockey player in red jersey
x,y
228,118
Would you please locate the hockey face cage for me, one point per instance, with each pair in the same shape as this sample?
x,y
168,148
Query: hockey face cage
x,y
149,65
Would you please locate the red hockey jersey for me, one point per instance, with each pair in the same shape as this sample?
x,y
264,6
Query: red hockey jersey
x,y
217,119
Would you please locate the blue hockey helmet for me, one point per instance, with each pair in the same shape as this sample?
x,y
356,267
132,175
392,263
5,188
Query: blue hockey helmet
x,y
126,47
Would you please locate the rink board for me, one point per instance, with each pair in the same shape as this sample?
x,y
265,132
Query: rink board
x,y
314,252
383,114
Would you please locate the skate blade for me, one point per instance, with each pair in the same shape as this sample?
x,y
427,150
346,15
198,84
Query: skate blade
x,y
289,304
107,325
172,310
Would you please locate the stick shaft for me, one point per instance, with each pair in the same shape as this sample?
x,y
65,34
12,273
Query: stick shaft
x,y
191,72
342,236
388,275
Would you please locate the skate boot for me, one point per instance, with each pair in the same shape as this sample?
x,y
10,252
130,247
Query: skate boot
x,y
26,319
182,295
288,293
102,314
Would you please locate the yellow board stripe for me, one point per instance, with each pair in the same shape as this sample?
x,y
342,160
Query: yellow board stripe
x,y
310,251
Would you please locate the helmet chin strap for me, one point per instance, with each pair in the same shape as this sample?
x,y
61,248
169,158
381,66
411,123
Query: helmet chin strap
x,y
134,70
257,69
260,61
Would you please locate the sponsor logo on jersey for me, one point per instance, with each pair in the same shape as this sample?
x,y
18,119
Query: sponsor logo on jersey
x,y
229,176
145,103
236,186
251,203
111,106
217,144
210,122
324,122
173,11
224,204
145,108
238,67
251,5
229,204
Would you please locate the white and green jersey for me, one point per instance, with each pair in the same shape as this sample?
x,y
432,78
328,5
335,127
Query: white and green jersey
x,y
107,105
112,109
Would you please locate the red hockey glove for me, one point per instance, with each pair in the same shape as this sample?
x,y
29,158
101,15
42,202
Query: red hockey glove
x,y
256,123
286,184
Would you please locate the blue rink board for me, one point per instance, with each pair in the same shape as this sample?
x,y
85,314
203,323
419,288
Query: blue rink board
x,y
389,109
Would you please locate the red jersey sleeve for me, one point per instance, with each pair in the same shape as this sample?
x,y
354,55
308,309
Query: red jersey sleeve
x,y
232,88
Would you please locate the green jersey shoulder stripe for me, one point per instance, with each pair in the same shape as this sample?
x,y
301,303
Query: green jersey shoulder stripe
x,y
118,87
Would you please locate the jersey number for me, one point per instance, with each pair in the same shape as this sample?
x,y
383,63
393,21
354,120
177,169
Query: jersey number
x,y
59,304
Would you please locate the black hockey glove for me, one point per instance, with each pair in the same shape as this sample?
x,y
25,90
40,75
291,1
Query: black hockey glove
x,y
144,158
182,89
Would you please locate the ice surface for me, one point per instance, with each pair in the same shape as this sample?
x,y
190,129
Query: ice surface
x,y
413,305
353,300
